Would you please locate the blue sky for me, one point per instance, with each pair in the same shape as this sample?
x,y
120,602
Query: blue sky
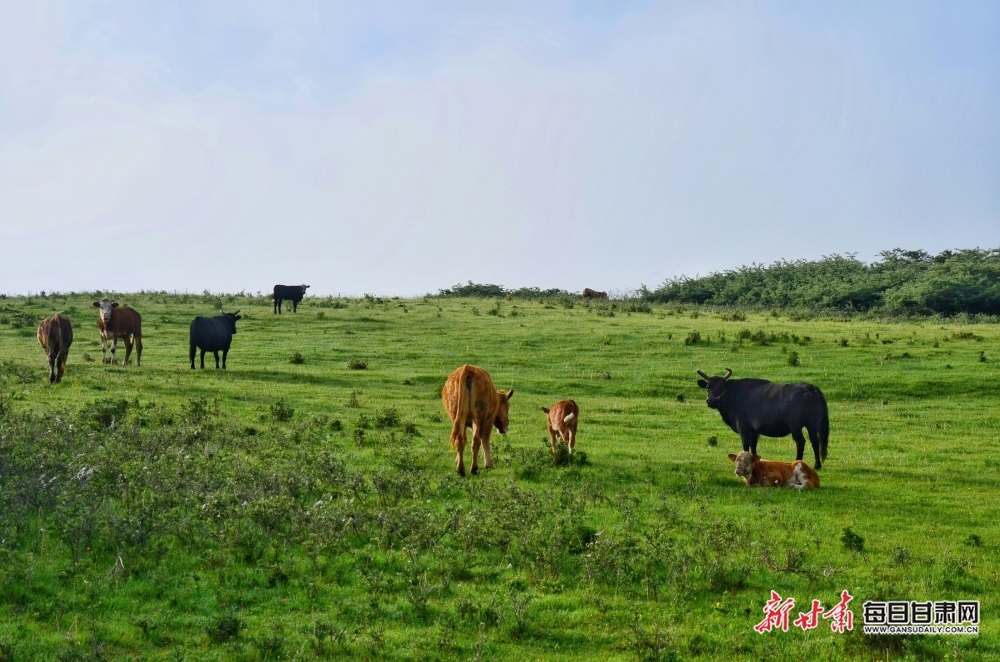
x,y
400,148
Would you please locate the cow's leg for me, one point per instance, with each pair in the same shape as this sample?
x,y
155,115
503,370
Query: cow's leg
x,y
295,306
572,439
800,444
458,443
749,441
487,451
104,348
114,348
202,359
191,352
225,353
128,349
814,440
552,438
52,367
215,353
477,442
61,362
138,351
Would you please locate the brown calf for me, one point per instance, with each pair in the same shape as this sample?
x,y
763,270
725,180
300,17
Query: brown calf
x,y
756,472
55,335
117,322
593,294
472,401
563,417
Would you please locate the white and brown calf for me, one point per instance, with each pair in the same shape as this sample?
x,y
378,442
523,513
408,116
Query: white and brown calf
x,y
756,472
116,322
563,418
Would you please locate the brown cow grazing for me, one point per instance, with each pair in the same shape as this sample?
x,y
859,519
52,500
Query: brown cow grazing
x,y
593,294
472,401
563,417
117,322
762,473
55,335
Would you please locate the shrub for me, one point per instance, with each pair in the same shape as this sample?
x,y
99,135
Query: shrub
x,y
105,413
281,412
387,418
224,628
358,364
693,338
297,358
852,541
197,410
793,358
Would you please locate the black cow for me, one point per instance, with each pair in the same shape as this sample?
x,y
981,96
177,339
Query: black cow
x,y
212,335
293,293
754,407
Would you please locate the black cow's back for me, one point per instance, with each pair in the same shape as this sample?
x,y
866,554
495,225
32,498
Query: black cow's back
x,y
210,334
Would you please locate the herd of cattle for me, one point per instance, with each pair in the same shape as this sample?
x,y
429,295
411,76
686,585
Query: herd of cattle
x,y
750,407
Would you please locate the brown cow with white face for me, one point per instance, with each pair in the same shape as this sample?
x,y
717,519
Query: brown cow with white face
x,y
472,401
55,335
756,472
563,418
116,322
594,294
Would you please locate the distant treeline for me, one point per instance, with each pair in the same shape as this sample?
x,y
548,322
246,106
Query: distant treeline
x,y
489,291
900,283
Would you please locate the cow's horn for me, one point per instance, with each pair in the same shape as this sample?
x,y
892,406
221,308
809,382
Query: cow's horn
x,y
237,311
729,373
703,374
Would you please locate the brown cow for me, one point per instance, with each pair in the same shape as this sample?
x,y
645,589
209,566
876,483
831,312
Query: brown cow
x,y
593,294
762,473
117,322
55,335
563,417
472,401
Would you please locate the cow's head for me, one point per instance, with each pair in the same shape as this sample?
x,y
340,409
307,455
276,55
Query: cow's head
x,y
502,420
744,463
304,288
716,387
106,305
230,319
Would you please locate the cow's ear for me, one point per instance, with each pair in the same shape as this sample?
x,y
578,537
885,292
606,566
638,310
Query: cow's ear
x,y
114,304
702,383
756,458
97,304
732,458
510,394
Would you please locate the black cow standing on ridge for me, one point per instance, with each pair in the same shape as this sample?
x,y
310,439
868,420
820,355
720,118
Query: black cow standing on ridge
x,y
754,407
293,293
213,335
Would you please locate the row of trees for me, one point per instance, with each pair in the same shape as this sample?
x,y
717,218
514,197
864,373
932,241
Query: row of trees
x,y
900,283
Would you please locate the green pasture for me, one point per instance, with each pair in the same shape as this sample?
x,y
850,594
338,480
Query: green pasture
x,y
303,503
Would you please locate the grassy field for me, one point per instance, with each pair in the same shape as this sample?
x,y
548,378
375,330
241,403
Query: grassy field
x,y
303,503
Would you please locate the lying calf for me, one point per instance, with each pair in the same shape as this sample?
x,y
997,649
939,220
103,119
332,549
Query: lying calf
x,y
762,473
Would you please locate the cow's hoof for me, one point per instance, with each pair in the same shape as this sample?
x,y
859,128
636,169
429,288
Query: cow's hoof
x,y
475,470
461,471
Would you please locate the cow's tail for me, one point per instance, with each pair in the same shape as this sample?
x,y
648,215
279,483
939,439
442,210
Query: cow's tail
x,y
569,417
824,431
